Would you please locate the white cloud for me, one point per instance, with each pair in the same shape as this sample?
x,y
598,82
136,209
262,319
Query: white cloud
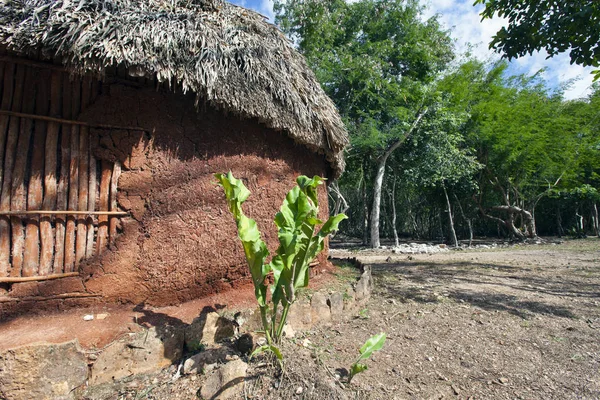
x,y
266,9
469,32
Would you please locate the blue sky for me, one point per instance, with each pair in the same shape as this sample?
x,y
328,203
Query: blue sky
x,y
466,28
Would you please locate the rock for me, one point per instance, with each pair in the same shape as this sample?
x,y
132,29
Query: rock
x,y
208,329
349,299
226,382
364,285
43,371
336,305
101,316
299,316
299,390
288,331
197,363
88,317
138,353
319,309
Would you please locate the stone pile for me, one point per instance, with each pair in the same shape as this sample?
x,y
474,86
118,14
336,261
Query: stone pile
x,y
214,346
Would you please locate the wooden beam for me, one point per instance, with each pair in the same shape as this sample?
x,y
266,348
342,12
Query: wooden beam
x,y
19,279
63,212
71,121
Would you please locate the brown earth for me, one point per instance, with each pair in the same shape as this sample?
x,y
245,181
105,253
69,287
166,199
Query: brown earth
x,y
179,242
515,323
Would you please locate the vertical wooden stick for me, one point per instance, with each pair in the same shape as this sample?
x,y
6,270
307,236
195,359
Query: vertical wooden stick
x,y
31,255
7,95
63,183
112,232
92,186
103,206
83,194
73,180
18,189
84,147
49,203
7,101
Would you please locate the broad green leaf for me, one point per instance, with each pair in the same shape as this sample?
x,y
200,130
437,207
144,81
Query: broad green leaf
x,y
332,224
309,186
374,343
255,249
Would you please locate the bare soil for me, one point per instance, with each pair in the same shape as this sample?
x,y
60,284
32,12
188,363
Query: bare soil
x,y
513,323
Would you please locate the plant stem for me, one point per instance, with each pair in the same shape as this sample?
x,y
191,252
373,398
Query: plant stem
x,y
286,308
263,316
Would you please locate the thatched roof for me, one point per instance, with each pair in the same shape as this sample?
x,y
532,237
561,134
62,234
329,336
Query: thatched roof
x,y
228,55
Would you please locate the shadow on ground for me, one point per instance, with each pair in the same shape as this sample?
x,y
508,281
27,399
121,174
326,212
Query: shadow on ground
x,y
521,291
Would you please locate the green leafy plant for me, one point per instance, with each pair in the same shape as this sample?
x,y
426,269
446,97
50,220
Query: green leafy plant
x,y
373,344
299,244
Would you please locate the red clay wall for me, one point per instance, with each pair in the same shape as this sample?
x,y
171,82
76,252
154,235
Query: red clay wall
x,y
181,242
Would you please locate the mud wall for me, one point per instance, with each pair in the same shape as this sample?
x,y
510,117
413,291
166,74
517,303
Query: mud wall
x,y
180,241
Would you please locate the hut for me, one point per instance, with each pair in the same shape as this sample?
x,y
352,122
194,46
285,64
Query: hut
x,y
114,116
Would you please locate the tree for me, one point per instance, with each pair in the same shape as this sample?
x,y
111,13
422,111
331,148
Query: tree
x,y
377,60
555,26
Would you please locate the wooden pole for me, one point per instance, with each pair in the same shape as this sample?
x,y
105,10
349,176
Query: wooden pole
x,y
63,212
18,189
7,100
92,183
73,180
49,202
112,232
70,121
104,199
63,182
7,76
46,298
18,279
80,246
31,256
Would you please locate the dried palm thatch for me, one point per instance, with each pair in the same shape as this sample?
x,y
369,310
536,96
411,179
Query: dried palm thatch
x,y
228,56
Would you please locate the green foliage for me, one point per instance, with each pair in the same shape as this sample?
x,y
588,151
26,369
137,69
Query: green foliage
x,y
373,344
555,26
298,246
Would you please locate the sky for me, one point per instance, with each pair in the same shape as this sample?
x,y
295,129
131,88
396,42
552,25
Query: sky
x,y
466,27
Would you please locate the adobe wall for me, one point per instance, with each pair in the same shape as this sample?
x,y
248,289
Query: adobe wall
x,y
180,241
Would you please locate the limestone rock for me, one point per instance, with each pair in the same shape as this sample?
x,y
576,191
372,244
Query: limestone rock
x,y
364,285
208,329
350,299
197,363
226,382
138,353
336,305
299,316
319,309
42,371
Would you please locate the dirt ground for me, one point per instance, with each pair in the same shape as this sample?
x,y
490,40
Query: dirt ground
x,y
513,323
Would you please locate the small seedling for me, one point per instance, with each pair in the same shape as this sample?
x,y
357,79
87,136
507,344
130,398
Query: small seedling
x,y
374,343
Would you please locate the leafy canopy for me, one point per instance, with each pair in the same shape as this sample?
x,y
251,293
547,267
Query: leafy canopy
x,y
555,26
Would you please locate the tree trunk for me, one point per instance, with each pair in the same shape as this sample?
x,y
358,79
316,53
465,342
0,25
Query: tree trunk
x,y
365,216
450,218
394,230
469,223
559,223
375,210
596,222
